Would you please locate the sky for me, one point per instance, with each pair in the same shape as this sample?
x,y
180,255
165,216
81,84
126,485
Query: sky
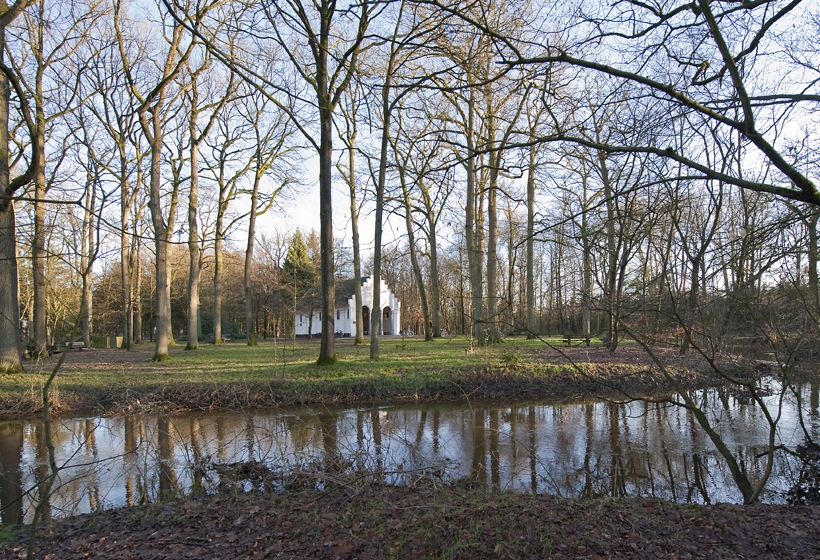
x,y
301,210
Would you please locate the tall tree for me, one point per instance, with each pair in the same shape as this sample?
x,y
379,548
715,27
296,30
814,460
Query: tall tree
x,y
152,113
10,342
47,38
321,42
114,110
211,106
350,113
271,132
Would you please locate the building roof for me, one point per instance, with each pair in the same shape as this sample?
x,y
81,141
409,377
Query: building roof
x,y
312,300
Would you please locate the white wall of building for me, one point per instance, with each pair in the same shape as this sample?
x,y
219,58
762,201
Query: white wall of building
x,y
345,316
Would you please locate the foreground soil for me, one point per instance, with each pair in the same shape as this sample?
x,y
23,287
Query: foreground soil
x,y
368,521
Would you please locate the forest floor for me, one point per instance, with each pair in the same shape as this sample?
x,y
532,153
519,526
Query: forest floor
x,y
109,382
368,521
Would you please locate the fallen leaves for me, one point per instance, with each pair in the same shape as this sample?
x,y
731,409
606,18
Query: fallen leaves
x,y
368,522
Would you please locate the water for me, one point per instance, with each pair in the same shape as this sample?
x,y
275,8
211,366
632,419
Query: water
x,y
574,450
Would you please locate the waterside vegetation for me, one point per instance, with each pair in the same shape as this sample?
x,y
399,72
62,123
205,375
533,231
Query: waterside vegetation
x,y
284,373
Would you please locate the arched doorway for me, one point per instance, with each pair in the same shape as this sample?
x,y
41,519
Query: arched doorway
x,y
366,320
387,323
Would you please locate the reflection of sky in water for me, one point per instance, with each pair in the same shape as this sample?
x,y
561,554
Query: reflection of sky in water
x,y
587,449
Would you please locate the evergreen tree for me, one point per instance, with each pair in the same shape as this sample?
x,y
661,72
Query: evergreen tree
x,y
298,266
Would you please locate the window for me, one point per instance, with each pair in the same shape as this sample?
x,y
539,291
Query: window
x,y
338,316
300,320
320,315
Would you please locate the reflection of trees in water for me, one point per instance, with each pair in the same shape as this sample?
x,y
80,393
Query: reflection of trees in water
x,y
616,474
533,450
92,457
135,483
420,430
806,490
221,438
250,436
11,492
478,466
332,458
588,449
41,468
197,458
495,470
167,474
436,428
376,430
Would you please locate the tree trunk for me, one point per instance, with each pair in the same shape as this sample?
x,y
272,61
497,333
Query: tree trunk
x,y
492,242
10,348
511,263
249,258
812,254
126,266
411,242
586,248
163,280
218,279
612,257
434,290
87,254
354,224
376,310
38,248
473,255
531,330
11,351
137,271
327,350
195,253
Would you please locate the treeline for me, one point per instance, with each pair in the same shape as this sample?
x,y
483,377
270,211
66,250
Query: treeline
x,y
617,170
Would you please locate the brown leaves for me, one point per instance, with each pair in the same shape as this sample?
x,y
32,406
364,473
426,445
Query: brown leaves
x,y
457,522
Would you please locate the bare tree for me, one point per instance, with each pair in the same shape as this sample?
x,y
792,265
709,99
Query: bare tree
x,y
10,342
212,105
348,135
321,43
272,133
153,104
114,110
48,40
711,70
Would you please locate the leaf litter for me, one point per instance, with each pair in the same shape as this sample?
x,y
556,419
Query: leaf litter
x,y
369,521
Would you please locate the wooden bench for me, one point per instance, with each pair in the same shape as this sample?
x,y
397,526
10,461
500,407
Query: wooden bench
x,y
581,340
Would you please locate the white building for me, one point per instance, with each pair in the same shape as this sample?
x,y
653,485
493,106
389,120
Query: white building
x,y
345,319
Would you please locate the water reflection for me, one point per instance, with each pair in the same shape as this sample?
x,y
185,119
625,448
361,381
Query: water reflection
x,y
11,449
587,449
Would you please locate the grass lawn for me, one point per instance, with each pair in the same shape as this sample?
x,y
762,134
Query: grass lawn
x,y
283,372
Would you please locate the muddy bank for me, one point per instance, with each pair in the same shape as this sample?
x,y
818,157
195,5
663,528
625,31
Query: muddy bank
x,y
364,521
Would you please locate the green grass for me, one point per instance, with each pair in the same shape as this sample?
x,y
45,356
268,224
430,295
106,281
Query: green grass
x,y
285,372
8,534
